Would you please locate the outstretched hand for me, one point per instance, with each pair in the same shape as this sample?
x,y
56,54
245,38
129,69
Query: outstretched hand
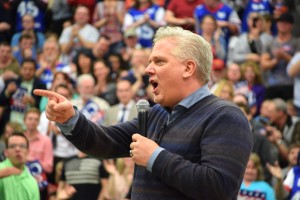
x,y
59,108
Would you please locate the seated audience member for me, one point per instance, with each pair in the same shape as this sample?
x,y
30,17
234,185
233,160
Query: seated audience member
x,y
286,178
26,48
16,182
261,146
49,62
252,75
130,43
91,106
9,66
85,175
137,76
18,95
224,90
80,34
125,110
105,88
234,75
58,78
212,33
119,180
145,17
28,28
249,45
253,184
217,73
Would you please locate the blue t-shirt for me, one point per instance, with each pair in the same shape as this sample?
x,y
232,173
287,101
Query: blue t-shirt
x,y
257,190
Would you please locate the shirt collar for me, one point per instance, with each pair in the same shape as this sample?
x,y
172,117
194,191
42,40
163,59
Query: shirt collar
x,y
195,97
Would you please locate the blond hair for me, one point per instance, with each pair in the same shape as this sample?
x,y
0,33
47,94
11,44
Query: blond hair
x,y
189,46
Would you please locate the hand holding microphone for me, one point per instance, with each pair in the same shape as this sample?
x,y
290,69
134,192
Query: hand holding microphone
x,y
142,147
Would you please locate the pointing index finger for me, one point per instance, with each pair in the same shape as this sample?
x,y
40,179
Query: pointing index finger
x,y
49,94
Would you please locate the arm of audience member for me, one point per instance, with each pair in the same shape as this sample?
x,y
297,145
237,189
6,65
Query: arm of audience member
x,y
172,20
267,62
293,69
41,69
65,191
276,138
85,43
8,171
4,26
104,185
66,39
276,172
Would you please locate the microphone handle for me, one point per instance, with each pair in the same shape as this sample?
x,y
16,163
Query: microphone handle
x,y
142,118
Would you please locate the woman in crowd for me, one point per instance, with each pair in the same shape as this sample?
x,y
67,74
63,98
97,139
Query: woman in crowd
x,y
253,184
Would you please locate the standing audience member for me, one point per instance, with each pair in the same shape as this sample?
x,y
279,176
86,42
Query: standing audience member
x,y
16,182
9,128
274,62
293,70
171,162
108,18
62,148
40,155
145,17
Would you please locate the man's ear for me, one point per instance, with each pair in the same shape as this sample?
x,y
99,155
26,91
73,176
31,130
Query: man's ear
x,y
190,69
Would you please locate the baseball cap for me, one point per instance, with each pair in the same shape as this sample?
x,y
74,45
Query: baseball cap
x,y
130,33
286,17
218,64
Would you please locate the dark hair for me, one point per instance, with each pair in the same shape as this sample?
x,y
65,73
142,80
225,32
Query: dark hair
x,y
137,4
16,133
30,60
25,36
86,53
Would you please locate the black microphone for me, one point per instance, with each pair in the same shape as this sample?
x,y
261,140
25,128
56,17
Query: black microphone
x,y
142,107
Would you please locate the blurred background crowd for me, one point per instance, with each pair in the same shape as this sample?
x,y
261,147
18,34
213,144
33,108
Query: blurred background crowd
x,y
95,52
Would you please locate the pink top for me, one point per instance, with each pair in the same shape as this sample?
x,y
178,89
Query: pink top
x,y
40,148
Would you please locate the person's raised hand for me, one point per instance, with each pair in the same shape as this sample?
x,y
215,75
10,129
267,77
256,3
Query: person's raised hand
x,y
59,109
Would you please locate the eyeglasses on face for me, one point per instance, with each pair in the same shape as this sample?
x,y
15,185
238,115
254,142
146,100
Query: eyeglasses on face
x,y
14,146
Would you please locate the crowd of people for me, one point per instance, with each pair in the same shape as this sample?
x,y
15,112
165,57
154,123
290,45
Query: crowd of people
x,y
95,53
